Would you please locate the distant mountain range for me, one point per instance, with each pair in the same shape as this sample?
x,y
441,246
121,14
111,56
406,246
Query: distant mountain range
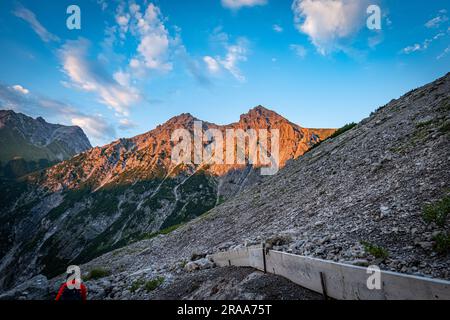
x,y
107,197
29,144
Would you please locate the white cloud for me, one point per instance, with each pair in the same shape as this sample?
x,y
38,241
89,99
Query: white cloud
x,y
237,4
375,40
235,53
444,53
422,46
20,89
219,36
153,48
123,78
30,17
327,22
277,28
388,21
299,50
212,64
103,4
154,41
122,21
96,127
438,20
413,48
135,63
89,75
127,124
145,26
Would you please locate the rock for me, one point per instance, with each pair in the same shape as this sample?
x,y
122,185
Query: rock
x,y
225,246
319,223
435,234
95,291
426,245
425,120
201,264
249,243
384,211
36,288
197,256
324,240
297,244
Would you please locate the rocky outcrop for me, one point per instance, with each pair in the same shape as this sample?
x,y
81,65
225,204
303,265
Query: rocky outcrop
x,y
37,288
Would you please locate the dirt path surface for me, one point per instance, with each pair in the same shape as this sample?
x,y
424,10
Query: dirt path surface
x,y
235,284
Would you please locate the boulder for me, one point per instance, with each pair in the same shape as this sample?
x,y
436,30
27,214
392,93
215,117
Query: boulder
x,y
200,264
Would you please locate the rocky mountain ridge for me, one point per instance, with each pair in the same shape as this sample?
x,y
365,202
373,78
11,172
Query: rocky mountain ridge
x,y
129,190
148,156
34,143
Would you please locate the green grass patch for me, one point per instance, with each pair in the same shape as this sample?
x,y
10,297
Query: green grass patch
x,y
377,251
445,105
153,284
340,131
442,243
97,273
437,212
136,285
445,127
221,200
424,124
148,236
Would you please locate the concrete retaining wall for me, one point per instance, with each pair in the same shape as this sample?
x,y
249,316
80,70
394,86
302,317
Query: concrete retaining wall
x,y
337,280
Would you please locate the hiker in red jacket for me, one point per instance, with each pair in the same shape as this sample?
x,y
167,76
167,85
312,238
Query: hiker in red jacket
x,y
69,292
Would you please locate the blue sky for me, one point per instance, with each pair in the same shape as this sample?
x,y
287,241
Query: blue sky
x,y
134,64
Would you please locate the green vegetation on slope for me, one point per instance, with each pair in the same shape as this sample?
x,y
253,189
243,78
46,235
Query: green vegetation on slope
x,y
377,251
97,273
337,133
438,211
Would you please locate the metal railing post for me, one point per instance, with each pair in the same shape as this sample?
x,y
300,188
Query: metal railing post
x,y
264,257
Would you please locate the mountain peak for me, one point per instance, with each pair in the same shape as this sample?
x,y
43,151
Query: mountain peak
x,y
261,110
6,112
260,113
182,119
